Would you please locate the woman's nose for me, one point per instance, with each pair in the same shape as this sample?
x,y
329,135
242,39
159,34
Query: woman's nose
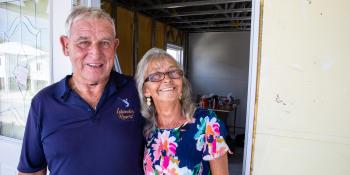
x,y
167,78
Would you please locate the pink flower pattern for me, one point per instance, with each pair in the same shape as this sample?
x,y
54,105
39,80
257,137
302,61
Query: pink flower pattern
x,y
204,139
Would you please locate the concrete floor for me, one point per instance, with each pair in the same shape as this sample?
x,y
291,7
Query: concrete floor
x,y
236,162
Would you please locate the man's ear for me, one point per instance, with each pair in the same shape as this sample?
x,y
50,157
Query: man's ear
x,y
116,43
64,43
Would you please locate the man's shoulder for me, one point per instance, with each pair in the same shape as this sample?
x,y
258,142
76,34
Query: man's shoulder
x,y
121,76
51,91
122,80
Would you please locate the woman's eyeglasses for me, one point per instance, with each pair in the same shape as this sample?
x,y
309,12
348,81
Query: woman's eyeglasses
x,y
159,76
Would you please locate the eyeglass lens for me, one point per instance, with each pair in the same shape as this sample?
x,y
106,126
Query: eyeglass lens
x,y
159,76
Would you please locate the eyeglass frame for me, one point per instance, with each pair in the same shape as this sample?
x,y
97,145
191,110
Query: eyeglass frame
x,y
181,73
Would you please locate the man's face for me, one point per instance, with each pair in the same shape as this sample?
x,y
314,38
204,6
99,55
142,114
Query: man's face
x,y
91,49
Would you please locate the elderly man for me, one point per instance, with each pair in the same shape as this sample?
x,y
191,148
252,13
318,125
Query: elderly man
x,y
89,122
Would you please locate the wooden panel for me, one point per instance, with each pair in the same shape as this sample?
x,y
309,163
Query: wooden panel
x,y
160,35
144,35
106,6
124,30
174,36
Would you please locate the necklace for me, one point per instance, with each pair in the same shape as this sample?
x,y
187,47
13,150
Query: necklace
x,y
173,124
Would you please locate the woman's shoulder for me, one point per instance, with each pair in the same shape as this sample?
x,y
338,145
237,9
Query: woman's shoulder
x,y
202,116
203,113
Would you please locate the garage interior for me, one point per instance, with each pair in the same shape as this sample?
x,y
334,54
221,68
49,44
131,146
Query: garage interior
x,y
214,36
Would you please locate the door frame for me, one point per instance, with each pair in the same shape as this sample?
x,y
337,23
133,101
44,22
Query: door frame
x,y
253,84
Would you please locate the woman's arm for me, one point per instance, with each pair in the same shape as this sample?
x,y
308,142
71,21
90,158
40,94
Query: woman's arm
x,y
219,166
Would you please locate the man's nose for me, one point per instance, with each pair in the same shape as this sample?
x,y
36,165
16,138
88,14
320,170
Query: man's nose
x,y
95,50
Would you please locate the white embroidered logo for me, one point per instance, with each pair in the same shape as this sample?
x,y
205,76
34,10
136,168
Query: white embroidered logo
x,y
125,101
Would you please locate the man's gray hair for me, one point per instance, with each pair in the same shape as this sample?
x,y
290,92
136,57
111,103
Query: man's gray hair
x,y
149,112
82,12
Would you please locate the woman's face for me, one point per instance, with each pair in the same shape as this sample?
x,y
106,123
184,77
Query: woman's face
x,y
167,90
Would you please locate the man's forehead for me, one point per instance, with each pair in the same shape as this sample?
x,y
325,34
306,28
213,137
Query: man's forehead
x,y
92,25
81,32
92,20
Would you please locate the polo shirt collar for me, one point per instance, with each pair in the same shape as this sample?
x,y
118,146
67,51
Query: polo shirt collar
x,y
116,81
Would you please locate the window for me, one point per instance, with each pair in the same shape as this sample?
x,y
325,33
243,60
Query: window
x,y
176,52
25,60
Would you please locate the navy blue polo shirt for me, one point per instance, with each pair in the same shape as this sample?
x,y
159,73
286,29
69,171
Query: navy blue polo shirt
x,y
69,137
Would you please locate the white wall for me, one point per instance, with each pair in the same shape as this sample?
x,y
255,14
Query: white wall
x,y
218,63
61,65
9,151
302,122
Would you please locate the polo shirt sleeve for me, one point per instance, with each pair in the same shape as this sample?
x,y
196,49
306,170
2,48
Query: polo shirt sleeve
x,y
32,157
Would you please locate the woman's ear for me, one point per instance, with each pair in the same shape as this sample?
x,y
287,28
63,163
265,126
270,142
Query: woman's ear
x,y
64,43
146,92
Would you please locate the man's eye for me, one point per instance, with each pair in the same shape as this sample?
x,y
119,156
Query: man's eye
x,y
106,44
83,44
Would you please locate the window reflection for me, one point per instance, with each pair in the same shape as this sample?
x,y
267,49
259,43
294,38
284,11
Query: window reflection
x,y
24,60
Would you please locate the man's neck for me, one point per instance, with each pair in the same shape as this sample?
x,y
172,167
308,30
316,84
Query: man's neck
x,y
91,92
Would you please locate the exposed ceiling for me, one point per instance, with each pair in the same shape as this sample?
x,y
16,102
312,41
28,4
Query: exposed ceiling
x,y
196,15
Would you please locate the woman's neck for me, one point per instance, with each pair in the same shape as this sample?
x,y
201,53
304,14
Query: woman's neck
x,y
169,116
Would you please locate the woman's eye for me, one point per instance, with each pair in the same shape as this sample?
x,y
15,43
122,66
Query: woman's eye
x,y
173,72
156,76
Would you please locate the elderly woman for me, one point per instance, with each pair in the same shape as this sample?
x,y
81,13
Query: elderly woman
x,y
180,139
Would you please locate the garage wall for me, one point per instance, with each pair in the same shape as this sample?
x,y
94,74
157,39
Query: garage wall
x,y
124,27
138,33
302,122
218,63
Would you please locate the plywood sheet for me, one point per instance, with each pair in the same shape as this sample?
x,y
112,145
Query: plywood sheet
x,y
125,34
160,35
144,35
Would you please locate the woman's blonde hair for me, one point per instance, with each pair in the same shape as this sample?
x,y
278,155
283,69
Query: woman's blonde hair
x,y
149,112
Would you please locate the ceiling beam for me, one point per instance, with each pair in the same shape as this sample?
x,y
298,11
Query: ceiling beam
x,y
213,25
210,20
218,30
191,4
163,10
207,12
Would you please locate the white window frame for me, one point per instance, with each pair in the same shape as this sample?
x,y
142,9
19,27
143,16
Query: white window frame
x,y
179,53
60,66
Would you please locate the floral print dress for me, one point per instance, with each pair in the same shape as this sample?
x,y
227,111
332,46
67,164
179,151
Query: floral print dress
x,y
186,150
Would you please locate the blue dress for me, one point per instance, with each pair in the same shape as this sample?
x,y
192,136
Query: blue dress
x,y
186,150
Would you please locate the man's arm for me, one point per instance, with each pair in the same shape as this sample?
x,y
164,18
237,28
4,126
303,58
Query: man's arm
x,y
41,172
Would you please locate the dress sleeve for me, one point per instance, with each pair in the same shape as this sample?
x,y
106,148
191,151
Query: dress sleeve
x,y
32,157
214,137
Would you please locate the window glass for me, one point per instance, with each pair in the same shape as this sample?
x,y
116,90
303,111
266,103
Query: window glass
x,y
24,60
76,2
176,52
